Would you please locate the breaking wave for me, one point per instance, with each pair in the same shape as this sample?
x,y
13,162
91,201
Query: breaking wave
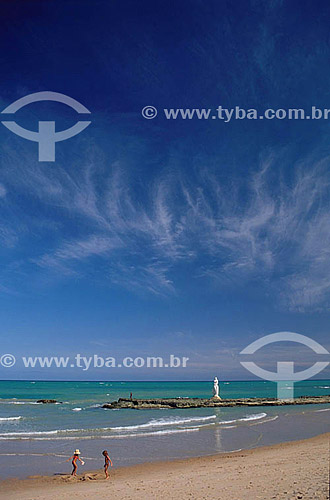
x,y
8,419
256,416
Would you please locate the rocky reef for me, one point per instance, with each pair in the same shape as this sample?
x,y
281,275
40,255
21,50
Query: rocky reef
x,y
142,404
47,401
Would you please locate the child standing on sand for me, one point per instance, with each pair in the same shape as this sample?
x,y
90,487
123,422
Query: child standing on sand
x,y
74,459
107,461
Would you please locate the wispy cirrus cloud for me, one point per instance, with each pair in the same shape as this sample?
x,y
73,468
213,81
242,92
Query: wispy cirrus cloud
x,y
279,235
3,191
270,226
64,258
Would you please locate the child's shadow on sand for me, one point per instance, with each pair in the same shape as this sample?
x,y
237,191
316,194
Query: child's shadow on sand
x,y
82,477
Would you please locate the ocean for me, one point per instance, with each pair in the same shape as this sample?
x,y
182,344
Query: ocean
x,y
38,438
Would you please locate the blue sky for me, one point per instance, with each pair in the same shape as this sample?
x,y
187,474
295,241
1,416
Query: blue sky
x,y
149,237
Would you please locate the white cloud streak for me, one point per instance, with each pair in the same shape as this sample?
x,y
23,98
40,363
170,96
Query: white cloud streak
x,y
265,227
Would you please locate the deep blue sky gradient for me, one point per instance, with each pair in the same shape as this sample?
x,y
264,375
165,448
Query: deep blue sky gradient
x,y
149,237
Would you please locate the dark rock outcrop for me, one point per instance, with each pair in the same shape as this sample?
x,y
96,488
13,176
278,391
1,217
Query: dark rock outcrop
x,y
142,404
47,401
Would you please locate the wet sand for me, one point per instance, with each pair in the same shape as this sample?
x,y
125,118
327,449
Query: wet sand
x,y
293,470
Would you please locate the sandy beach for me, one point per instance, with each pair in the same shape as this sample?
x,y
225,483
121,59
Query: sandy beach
x,y
293,470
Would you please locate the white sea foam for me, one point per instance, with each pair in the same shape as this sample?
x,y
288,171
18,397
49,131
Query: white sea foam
x,y
23,433
50,432
255,416
189,424
162,422
76,409
157,433
20,402
123,431
271,419
198,426
9,419
71,438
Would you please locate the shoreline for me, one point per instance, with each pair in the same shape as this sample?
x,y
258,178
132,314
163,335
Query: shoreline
x,y
288,470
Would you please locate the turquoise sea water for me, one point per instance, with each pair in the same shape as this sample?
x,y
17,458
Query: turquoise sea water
x,y
47,434
105,391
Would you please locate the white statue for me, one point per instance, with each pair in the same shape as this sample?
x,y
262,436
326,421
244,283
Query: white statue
x,y
216,388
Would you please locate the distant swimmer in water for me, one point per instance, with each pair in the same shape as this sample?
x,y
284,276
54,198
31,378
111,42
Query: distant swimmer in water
x,y
74,459
107,462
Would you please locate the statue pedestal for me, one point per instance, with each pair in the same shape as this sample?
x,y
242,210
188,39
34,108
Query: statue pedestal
x,y
217,398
